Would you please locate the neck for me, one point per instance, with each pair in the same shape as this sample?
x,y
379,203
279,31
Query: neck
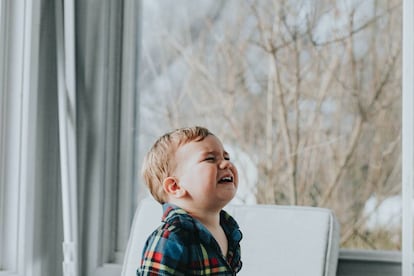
x,y
208,219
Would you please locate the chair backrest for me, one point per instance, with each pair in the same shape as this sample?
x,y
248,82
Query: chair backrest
x,y
277,240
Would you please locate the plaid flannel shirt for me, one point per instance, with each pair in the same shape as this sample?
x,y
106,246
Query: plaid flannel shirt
x,y
184,246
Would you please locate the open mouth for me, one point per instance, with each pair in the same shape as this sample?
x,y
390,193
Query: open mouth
x,y
226,179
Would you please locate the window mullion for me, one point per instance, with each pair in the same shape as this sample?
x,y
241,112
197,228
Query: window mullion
x,y
407,137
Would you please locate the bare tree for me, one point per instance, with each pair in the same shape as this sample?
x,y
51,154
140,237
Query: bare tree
x,y
311,90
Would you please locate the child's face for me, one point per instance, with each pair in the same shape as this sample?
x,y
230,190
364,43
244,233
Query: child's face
x,y
203,169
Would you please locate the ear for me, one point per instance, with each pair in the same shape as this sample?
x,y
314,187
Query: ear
x,y
172,187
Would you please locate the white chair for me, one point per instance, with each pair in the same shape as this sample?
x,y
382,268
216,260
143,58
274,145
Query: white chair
x,y
277,240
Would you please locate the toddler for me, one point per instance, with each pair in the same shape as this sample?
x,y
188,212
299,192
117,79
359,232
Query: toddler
x,y
189,172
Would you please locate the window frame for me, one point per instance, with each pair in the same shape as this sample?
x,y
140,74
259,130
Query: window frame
x,y
353,262
18,75
407,137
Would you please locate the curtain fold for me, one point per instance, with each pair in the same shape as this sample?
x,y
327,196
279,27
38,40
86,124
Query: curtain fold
x,y
107,49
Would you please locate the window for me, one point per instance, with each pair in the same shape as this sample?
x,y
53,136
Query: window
x,y
306,95
310,92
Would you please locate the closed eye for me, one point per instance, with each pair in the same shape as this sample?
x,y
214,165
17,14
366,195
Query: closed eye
x,y
210,158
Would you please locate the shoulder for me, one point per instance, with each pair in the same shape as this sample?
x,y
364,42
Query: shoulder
x,y
178,223
172,230
166,251
173,236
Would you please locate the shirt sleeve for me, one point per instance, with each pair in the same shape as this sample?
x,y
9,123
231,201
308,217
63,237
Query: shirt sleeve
x,y
165,253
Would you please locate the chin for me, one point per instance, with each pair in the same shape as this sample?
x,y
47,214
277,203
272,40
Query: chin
x,y
225,201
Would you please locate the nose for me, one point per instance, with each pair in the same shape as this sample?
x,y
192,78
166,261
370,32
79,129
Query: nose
x,y
224,164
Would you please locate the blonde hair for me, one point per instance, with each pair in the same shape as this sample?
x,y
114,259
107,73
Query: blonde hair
x,y
159,161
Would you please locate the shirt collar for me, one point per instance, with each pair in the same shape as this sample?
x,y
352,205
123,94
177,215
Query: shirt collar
x,y
175,214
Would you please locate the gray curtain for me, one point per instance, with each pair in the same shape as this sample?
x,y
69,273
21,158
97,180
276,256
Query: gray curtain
x,y
107,40
106,54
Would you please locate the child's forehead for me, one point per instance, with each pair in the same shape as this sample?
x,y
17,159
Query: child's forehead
x,y
208,144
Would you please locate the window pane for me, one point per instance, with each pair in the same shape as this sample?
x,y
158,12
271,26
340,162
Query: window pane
x,y
307,94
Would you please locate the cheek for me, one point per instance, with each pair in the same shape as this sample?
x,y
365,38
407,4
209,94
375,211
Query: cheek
x,y
235,174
